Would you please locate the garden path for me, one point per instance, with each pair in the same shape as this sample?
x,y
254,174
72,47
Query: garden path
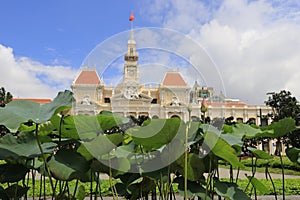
x,y
224,173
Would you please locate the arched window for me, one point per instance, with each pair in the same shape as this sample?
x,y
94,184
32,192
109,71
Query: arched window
x,y
175,116
239,120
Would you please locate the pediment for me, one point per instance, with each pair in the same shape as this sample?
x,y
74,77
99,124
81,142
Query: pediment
x,y
131,97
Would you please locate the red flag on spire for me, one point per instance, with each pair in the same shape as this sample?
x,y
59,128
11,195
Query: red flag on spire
x,y
131,18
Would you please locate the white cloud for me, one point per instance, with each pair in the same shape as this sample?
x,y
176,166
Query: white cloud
x,y
26,78
176,13
255,44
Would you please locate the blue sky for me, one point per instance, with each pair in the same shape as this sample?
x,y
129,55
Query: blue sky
x,y
255,44
61,32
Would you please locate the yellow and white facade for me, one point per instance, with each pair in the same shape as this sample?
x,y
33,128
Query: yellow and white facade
x,y
169,99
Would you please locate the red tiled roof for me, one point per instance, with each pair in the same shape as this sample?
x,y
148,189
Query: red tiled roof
x,y
41,101
173,79
88,77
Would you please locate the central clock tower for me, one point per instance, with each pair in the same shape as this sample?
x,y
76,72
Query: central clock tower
x,y
131,73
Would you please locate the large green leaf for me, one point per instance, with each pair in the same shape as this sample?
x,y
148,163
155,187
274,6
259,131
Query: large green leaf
x,y
162,175
281,128
119,117
233,140
196,166
68,128
16,191
194,189
293,154
260,154
230,191
24,146
100,146
258,185
129,178
11,173
142,188
90,126
67,165
84,127
125,150
156,134
245,130
112,166
20,111
248,131
221,148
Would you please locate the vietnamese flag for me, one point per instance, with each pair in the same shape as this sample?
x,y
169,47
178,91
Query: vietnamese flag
x,y
131,18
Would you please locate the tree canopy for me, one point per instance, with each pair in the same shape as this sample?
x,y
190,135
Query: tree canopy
x,y
5,97
284,105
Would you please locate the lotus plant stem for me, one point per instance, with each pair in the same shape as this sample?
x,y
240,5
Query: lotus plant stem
x,y
76,186
171,186
208,183
44,178
60,129
41,186
43,157
282,172
161,187
113,188
25,185
231,174
67,188
253,173
91,186
55,186
189,108
97,184
153,196
186,156
33,182
238,172
273,185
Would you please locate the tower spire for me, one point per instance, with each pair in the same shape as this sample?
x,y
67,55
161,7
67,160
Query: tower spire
x,y
131,57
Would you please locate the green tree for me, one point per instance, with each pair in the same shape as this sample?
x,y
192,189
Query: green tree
x,y
285,105
5,97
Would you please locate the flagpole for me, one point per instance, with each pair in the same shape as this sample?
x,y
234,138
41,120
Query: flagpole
x,y
131,18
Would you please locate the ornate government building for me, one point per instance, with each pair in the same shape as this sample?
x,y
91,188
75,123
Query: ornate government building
x,y
169,99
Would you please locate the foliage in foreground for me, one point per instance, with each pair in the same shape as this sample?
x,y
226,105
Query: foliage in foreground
x,y
143,156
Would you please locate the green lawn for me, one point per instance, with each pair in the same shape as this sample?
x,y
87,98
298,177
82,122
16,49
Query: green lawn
x,y
292,187
274,165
